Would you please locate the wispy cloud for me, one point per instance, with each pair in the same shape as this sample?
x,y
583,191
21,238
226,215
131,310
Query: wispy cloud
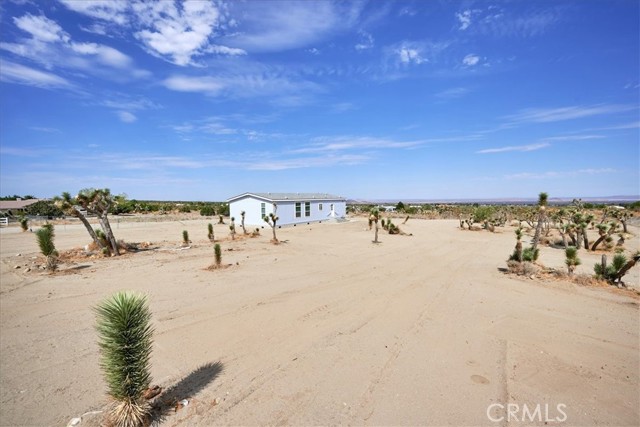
x,y
269,28
470,60
282,88
366,41
52,47
497,21
545,115
456,92
126,117
16,73
44,129
341,143
524,148
560,174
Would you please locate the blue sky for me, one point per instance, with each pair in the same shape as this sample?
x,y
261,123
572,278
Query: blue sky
x,y
425,99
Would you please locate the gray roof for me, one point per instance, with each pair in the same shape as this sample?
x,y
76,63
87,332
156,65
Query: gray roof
x,y
279,197
16,204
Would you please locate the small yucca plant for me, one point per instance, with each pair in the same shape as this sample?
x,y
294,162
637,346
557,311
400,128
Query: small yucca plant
x,y
24,223
210,232
572,260
185,237
217,252
530,254
45,237
125,338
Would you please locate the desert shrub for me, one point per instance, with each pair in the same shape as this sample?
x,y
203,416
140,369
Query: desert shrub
x,y
525,268
44,208
45,237
207,211
530,254
210,235
571,259
185,237
217,252
185,209
610,272
24,223
125,338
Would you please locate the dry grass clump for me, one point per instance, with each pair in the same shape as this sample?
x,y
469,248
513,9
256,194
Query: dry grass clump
x,y
524,268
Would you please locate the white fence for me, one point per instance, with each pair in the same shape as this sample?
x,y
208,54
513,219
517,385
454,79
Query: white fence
x,y
4,222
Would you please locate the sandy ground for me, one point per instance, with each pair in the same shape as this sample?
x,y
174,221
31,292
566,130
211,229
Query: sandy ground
x,y
325,329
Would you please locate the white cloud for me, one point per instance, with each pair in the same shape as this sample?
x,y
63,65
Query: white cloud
x,y
524,148
284,90
545,115
313,51
41,28
340,143
51,47
464,18
471,60
276,26
307,162
409,55
496,21
126,116
178,31
107,10
16,73
456,92
366,41
207,85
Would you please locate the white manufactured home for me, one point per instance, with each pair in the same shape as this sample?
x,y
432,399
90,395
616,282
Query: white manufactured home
x,y
291,208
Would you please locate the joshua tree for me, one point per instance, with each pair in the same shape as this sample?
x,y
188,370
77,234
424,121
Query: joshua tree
x,y
517,253
217,252
542,206
375,217
185,238
125,338
45,237
572,259
220,219
103,242
24,223
618,268
604,230
244,230
272,219
70,206
210,230
232,228
99,202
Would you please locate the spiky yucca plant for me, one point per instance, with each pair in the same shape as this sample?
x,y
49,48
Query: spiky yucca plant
x,y
217,254
45,237
210,232
572,260
125,338
530,254
272,220
185,237
24,223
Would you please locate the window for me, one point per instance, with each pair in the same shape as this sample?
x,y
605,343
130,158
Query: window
x,y
320,206
263,210
307,209
298,210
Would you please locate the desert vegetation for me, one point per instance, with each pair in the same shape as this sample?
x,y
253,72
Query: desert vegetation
x,y
45,236
272,221
125,338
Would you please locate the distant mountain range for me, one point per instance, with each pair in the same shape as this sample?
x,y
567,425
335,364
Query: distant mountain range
x,y
498,201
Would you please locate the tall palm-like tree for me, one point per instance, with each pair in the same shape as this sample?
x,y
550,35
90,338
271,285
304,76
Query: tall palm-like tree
x,y
272,220
98,202
572,260
374,217
70,206
542,215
